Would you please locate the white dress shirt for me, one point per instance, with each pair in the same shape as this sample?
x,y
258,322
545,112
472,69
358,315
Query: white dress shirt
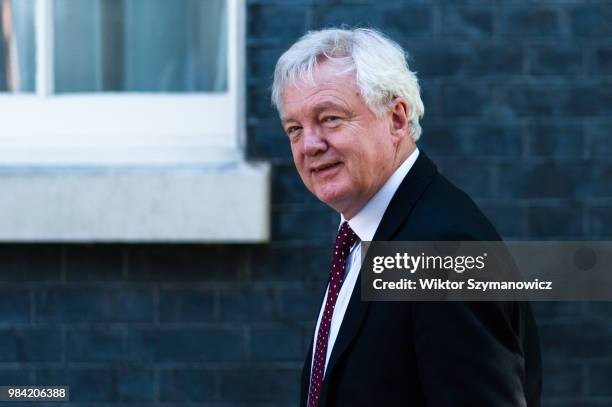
x,y
364,224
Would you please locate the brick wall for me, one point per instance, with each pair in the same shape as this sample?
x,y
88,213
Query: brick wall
x,y
518,97
518,112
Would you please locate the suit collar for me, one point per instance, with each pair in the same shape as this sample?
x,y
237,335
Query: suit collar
x,y
366,221
408,193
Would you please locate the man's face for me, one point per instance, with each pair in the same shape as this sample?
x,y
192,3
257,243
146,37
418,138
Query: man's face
x,y
343,152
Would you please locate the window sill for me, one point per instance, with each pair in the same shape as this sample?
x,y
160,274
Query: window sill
x,y
221,203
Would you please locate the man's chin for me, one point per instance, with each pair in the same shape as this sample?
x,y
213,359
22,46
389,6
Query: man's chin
x,y
333,199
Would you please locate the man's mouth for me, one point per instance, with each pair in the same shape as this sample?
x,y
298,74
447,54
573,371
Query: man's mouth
x,y
326,168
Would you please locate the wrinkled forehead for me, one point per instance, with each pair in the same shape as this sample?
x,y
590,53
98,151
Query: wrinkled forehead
x,y
302,103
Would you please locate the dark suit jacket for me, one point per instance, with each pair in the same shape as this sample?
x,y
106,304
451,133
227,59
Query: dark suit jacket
x,y
469,354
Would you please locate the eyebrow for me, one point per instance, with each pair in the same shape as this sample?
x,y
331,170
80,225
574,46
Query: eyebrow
x,y
318,109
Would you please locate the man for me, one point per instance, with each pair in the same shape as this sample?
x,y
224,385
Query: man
x,y
351,107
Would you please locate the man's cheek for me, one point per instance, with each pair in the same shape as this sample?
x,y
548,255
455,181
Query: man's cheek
x,y
308,180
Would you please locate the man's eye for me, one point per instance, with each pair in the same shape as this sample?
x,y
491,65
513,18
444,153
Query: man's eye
x,y
330,119
292,130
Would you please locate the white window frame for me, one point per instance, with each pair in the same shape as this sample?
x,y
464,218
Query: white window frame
x,y
130,167
124,128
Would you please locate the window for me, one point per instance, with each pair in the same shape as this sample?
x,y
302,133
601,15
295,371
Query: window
x,y
120,81
122,120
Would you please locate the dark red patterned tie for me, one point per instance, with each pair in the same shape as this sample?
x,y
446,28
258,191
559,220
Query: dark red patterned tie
x,y
344,241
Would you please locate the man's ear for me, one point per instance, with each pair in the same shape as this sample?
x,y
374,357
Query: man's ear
x,y
399,118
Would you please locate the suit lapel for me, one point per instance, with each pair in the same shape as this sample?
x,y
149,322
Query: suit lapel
x,y
352,321
406,196
307,363
408,193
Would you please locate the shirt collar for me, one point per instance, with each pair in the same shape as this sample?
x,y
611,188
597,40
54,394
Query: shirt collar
x,y
366,221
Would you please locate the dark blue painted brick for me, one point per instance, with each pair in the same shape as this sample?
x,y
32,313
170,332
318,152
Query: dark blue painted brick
x,y
449,59
288,188
430,97
493,140
435,59
555,59
94,262
600,139
535,99
260,384
443,140
600,222
601,309
546,180
261,63
269,142
562,379
186,305
592,19
402,19
529,20
304,224
395,19
282,344
304,303
547,221
601,63
475,177
507,217
26,344
465,99
309,333
96,344
14,305
550,310
94,304
184,344
187,262
283,23
577,402
186,385
467,21
290,262
558,140
259,104
566,340
30,262
493,59
599,380
243,303
103,384
589,99
18,377
488,140
600,180
134,384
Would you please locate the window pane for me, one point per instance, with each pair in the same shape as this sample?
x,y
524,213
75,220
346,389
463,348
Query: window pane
x,y
17,46
140,45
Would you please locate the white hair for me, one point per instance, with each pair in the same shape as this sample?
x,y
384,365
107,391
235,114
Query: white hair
x,y
379,64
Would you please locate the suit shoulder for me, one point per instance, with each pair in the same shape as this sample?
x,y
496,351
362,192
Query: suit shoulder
x,y
445,212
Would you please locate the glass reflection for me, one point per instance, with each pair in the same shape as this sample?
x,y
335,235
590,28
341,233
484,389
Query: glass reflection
x,y
17,46
140,45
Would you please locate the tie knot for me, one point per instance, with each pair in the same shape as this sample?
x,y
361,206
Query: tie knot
x,y
346,237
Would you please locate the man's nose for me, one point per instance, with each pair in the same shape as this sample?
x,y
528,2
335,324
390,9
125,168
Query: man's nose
x,y
314,142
